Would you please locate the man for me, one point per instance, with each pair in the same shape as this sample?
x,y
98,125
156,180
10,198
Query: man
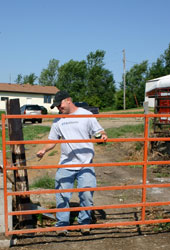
x,y
73,153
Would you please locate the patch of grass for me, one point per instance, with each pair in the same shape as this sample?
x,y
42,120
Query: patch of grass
x,y
7,138
35,132
161,175
107,109
54,152
40,219
1,112
127,111
45,182
123,130
29,133
138,145
162,227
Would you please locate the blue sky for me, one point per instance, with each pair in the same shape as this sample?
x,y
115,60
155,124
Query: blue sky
x,y
32,32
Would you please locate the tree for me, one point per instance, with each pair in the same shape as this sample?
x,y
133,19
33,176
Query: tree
x,y
100,82
161,67
88,80
48,77
19,78
157,69
72,77
95,59
167,60
26,79
119,99
30,79
135,85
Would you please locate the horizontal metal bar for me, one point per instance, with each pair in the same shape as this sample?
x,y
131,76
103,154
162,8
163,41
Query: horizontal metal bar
x,y
75,190
103,207
75,116
75,141
106,225
88,140
107,164
53,191
83,116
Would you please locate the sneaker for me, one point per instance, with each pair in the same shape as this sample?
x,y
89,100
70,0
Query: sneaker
x,y
62,233
85,231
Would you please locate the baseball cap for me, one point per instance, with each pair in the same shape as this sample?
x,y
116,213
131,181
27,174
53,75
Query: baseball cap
x,y
59,96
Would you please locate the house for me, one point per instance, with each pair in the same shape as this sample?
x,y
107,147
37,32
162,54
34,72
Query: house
x,y
152,86
27,94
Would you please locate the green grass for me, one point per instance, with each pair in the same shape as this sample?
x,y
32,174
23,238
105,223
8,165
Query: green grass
x,y
35,132
29,133
54,152
45,182
127,111
1,112
162,227
123,130
107,109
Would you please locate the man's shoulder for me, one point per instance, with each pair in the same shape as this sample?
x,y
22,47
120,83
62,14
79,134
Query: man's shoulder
x,y
83,111
56,120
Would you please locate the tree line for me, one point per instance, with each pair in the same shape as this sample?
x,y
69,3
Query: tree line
x,y
88,80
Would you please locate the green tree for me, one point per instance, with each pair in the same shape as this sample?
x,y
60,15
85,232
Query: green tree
x,y
19,78
49,76
119,99
30,79
88,80
100,82
72,77
167,60
26,79
157,69
161,67
135,80
135,85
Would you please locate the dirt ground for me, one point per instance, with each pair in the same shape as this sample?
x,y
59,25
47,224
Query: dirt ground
x,y
143,237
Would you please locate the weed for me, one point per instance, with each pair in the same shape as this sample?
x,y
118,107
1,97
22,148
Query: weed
x,y
161,175
54,152
45,182
40,219
138,146
162,227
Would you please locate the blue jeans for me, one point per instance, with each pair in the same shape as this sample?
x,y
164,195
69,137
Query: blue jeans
x,y
64,180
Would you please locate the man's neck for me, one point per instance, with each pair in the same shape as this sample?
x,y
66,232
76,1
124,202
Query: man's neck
x,y
73,108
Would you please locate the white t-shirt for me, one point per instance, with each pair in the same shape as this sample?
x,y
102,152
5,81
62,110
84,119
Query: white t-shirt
x,y
75,128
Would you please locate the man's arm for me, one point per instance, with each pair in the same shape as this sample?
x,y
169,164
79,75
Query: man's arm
x,y
46,148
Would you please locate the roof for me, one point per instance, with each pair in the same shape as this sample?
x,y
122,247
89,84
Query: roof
x,y
28,88
157,83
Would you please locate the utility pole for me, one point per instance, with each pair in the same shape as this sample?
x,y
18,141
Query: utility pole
x,y
124,80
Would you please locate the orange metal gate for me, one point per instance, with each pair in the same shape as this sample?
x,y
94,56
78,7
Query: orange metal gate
x,y
144,186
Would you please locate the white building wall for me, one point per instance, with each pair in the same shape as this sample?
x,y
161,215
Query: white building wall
x,y
25,98
151,102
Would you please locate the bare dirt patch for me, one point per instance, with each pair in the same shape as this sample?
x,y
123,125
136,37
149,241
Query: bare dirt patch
x,y
117,238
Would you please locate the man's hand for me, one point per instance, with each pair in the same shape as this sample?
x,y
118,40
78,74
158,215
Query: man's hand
x,y
41,153
104,136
